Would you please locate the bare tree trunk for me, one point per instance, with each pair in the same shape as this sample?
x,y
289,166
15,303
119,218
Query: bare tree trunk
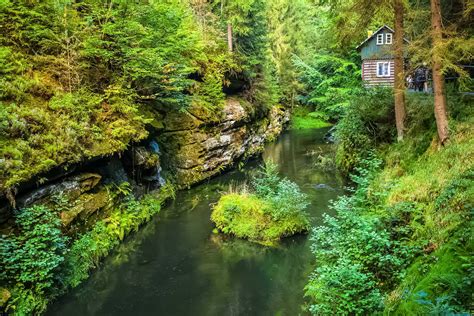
x,y
229,37
438,77
399,84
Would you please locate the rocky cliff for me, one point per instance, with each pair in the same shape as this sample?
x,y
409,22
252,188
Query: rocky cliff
x,y
197,146
190,145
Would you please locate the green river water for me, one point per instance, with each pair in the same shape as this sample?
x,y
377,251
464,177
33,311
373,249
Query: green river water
x,y
176,265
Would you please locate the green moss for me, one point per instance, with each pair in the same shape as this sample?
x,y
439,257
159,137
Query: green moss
x,y
250,217
38,135
303,119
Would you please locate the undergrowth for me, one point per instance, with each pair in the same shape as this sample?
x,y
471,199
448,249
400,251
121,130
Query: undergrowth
x,y
303,118
42,265
401,244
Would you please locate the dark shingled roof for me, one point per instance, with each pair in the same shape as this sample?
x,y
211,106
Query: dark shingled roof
x,y
375,33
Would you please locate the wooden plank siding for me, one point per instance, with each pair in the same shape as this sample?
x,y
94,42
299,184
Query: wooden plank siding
x,y
369,73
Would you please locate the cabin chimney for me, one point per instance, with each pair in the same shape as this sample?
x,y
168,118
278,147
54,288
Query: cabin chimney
x,y
369,34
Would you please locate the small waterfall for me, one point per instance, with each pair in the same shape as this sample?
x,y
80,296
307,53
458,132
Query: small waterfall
x,y
155,175
154,147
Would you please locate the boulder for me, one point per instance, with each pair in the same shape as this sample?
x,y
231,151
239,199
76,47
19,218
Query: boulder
x,y
71,187
85,205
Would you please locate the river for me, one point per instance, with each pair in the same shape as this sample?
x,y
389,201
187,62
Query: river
x,y
176,265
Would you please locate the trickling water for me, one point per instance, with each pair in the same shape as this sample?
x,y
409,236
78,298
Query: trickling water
x,y
175,265
156,176
154,147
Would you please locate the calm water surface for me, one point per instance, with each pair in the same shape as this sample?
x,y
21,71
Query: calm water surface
x,y
175,265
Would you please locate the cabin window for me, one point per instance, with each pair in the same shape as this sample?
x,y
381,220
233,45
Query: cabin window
x,y
388,38
383,69
380,39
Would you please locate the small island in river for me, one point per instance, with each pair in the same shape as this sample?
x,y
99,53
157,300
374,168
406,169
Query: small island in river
x,y
270,209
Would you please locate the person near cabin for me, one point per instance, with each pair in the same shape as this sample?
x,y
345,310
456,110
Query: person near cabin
x,y
410,82
420,79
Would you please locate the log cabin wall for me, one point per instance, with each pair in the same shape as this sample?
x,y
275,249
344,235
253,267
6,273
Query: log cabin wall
x,y
369,73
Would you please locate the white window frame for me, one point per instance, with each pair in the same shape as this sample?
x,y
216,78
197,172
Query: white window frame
x,y
387,37
379,39
383,74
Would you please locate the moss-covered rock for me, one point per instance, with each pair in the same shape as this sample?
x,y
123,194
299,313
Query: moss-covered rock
x,y
85,205
68,129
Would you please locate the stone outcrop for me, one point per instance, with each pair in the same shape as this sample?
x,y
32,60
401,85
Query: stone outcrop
x,y
197,146
192,145
76,196
85,205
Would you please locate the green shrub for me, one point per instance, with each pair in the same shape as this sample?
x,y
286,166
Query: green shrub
x,y
343,289
34,255
285,196
357,256
368,121
31,259
272,210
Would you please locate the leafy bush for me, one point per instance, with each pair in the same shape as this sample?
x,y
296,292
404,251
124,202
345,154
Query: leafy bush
x,y
357,256
330,83
285,196
31,259
343,289
274,209
368,121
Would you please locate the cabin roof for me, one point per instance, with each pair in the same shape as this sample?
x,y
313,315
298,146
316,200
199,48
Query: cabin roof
x,y
375,33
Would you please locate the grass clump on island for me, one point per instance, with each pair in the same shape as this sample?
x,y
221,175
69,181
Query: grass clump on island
x,y
272,208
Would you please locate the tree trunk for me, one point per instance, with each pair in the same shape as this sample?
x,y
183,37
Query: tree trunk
x,y
399,84
438,77
229,37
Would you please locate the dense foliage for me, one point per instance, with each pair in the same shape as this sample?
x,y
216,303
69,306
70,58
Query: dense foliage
x,y
331,82
273,208
31,260
400,243
83,79
356,255
365,124
80,79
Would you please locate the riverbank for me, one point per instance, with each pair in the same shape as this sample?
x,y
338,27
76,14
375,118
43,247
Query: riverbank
x,y
401,244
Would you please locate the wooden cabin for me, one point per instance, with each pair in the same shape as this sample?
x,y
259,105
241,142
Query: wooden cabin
x,y
378,58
